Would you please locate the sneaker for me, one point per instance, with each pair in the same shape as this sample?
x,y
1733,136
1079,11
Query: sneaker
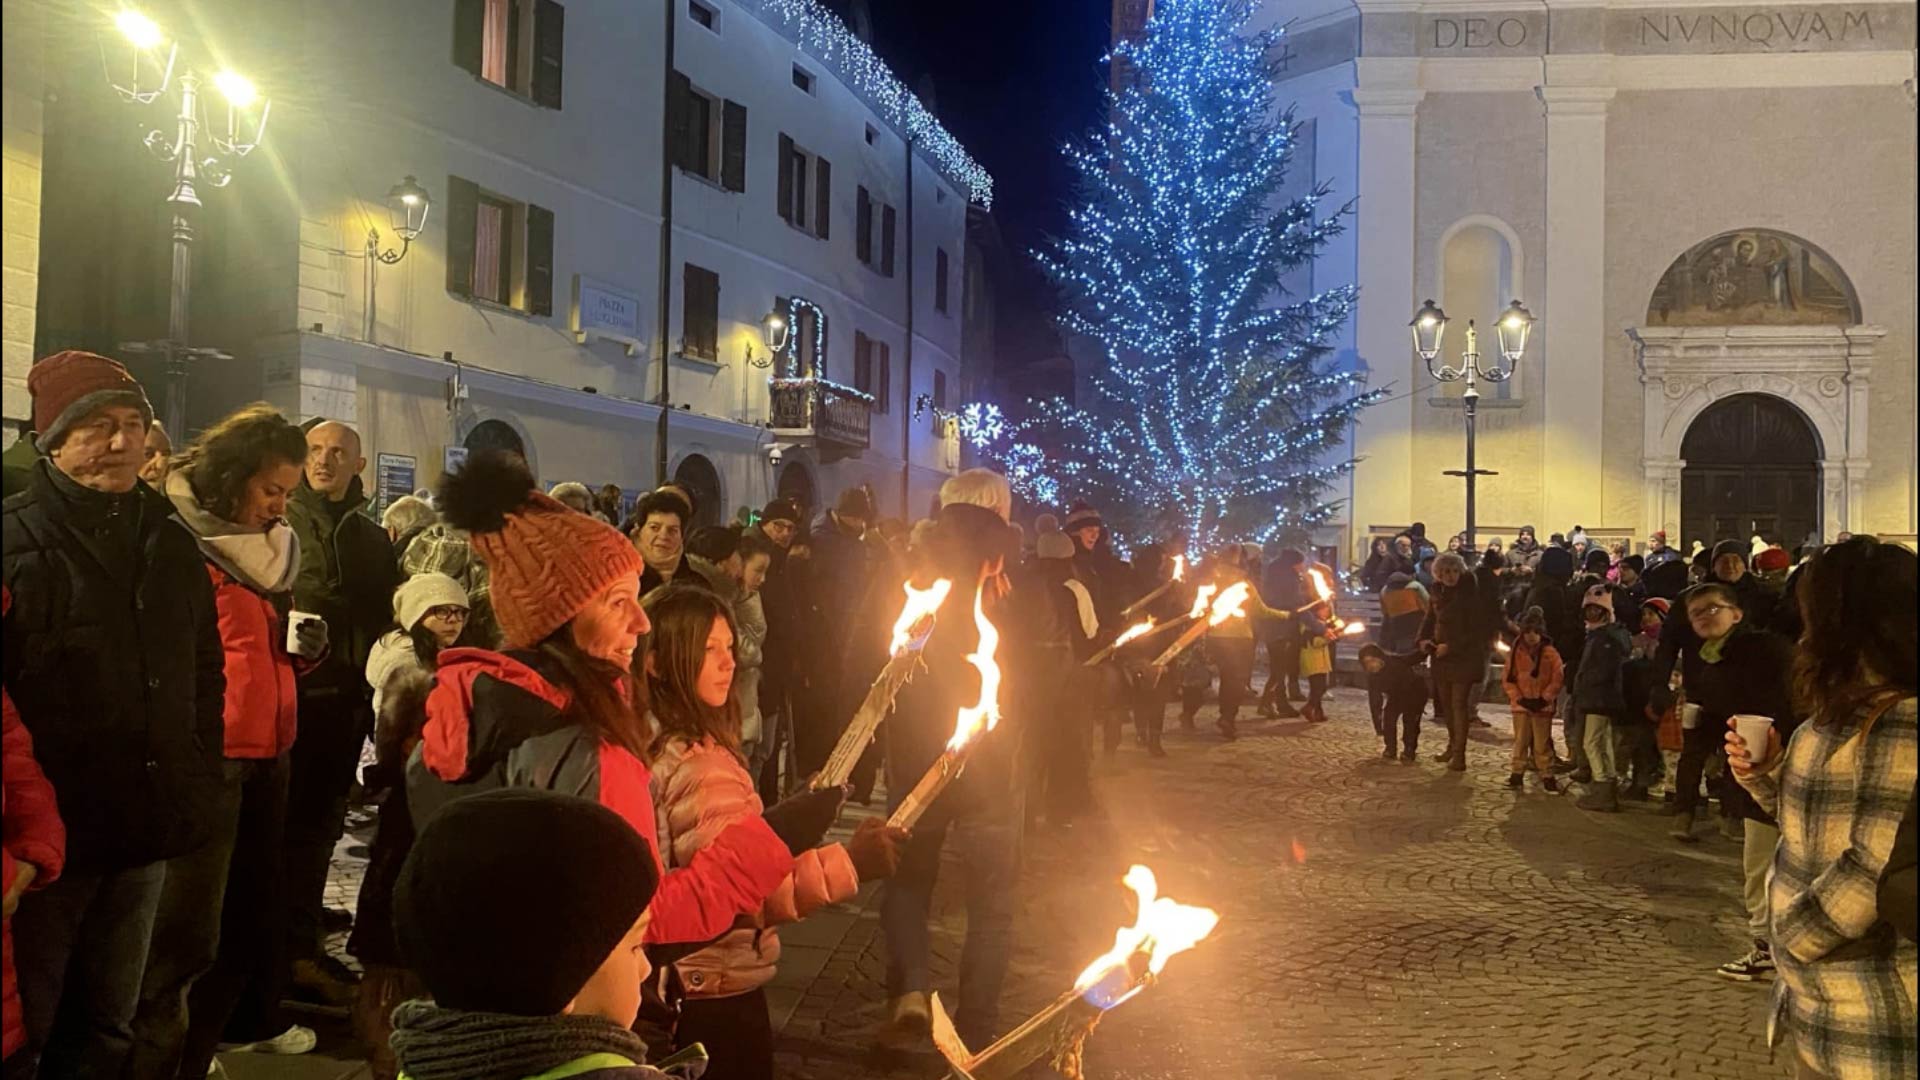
x,y
1443,757
1561,766
294,1040
1581,776
1458,764
1550,783
1601,798
1285,711
909,1019
1516,781
1265,711
1683,828
316,982
1757,964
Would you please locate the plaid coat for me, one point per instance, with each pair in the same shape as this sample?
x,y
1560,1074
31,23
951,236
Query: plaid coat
x,y
1846,989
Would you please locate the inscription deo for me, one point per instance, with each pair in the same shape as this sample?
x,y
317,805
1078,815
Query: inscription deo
x,y
1756,28
1478,33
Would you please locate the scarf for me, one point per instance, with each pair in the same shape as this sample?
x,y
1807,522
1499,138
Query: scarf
x,y
1710,650
265,560
1083,602
433,1043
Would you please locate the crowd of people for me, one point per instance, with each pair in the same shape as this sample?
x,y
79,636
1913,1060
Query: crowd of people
x,y
211,653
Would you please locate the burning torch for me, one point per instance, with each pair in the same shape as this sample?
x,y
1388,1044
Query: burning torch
x,y
1208,611
910,633
970,723
1323,592
1161,930
1179,573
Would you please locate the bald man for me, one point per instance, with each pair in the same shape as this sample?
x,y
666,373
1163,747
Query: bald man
x,y
347,576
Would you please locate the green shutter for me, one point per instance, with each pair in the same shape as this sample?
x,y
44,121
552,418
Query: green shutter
x,y
539,260
463,204
549,48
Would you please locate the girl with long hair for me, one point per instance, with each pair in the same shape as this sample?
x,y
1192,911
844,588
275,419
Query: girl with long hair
x,y
701,787
1839,788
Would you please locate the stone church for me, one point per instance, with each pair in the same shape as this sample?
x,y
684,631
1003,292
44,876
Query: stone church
x,y
1709,208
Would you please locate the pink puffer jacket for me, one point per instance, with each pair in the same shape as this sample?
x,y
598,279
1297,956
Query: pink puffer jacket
x,y
700,788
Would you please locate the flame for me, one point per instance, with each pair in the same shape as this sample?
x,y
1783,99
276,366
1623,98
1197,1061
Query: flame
x,y
1161,928
921,604
1200,600
1230,605
1299,851
1502,647
1320,586
1131,632
1179,568
986,715
1353,629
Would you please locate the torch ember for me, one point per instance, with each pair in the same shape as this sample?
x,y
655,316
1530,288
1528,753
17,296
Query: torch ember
x,y
1162,929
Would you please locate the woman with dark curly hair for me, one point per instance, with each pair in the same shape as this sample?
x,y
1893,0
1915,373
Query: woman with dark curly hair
x,y
218,934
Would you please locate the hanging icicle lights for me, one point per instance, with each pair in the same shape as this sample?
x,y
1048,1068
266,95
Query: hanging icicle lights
x,y
821,33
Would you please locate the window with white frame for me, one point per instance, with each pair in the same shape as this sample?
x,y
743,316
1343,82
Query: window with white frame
x,y
704,14
499,249
874,232
517,45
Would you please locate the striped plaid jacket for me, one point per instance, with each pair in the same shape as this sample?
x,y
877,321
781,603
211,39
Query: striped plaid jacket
x,y
1846,984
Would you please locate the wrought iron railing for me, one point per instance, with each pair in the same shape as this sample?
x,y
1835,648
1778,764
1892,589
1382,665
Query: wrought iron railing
x,y
824,410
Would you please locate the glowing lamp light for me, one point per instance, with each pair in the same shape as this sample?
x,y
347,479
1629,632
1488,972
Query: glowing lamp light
x,y
236,88
920,606
984,716
1429,327
143,32
407,206
1161,930
773,330
1515,324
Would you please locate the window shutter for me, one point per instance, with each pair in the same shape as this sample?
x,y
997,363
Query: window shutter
x,y
549,45
700,313
862,364
463,204
863,225
733,147
539,260
885,390
680,120
786,178
822,196
886,240
469,20
939,389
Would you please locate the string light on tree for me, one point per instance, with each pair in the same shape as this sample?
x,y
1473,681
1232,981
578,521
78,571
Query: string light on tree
x,y
1215,409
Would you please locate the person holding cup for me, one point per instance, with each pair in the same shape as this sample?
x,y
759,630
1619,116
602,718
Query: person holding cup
x,y
220,925
1742,674
1840,786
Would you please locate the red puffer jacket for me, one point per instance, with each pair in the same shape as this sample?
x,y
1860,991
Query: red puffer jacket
x,y
500,720
261,704
34,834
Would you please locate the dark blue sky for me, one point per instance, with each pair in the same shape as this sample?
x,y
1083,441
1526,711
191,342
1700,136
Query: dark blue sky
x,y
1012,80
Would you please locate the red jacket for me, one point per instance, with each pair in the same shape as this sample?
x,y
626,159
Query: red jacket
x,y
261,704
497,720
33,834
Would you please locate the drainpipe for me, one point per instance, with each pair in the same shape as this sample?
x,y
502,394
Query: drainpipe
x,y
665,398
906,412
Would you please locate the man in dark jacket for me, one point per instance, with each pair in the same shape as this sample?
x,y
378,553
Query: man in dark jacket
x,y
347,576
1549,593
840,574
1453,636
113,656
1106,575
780,599
1283,589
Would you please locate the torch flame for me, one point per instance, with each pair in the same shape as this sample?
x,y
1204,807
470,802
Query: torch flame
x,y
1230,605
1161,928
1353,629
1131,632
1179,568
1320,586
920,605
1200,600
1502,647
986,715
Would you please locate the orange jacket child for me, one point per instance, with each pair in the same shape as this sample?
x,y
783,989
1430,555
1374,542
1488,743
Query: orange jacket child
x,y
1534,677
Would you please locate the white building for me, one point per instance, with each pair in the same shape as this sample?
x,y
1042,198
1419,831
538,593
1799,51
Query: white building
x,y
620,195
1711,210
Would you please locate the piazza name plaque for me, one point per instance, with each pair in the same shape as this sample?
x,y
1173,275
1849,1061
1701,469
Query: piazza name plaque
x,y
1761,29
604,310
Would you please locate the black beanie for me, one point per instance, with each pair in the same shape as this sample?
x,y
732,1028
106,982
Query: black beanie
x,y
1597,561
512,899
1728,547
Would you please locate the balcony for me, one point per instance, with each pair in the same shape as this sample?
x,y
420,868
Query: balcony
x,y
827,412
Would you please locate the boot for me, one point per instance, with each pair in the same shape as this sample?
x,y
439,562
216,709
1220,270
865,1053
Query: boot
x,y
1550,783
1284,710
1684,821
1601,798
1226,728
1457,764
1186,721
1516,781
1154,749
1408,756
1388,754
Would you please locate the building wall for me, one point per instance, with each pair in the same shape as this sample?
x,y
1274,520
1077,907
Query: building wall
x,y
22,123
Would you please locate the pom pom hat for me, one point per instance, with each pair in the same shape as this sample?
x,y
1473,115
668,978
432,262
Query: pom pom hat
x,y
546,561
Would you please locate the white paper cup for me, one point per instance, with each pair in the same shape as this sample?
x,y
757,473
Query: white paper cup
x,y
1689,716
295,620
1753,729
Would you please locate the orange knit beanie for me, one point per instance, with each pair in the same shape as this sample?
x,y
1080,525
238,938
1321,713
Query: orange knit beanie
x,y
546,560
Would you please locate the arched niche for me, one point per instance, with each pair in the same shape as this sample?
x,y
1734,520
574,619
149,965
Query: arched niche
x,y
1480,266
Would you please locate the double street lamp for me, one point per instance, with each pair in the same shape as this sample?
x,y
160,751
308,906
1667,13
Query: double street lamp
x,y
194,163
1429,326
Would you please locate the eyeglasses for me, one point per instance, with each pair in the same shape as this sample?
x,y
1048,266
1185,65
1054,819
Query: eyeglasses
x,y
447,612
1709,611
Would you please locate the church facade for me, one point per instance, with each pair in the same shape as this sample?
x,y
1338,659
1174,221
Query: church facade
x,y
1710,209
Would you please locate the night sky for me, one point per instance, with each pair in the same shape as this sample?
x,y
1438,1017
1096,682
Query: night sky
x,y
1012,80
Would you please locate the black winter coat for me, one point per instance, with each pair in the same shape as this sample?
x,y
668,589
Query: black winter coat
x,y
113,656
1562,610
347,575
1599,686
1754,676
1455,621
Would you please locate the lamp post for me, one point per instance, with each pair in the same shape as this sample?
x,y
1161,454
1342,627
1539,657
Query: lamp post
x,y
407,206
1429,326
193,164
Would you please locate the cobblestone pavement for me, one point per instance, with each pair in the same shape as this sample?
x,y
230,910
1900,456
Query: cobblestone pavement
x,y
1380,920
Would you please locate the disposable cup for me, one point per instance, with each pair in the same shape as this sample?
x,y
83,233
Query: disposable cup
x,y
1690,716
1753,729
295,620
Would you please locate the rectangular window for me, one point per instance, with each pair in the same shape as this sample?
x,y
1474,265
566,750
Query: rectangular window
x,y
939,389
940,280
802,79
873,134
810,329
703,15
700,314
805,192
873,233
709,134
517,45
499,250
700,110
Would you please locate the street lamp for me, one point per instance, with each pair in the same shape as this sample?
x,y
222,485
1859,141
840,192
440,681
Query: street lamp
x,y
773,331
407,206
1429,327
192,165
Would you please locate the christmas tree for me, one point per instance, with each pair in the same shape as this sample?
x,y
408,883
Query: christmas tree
x,y
1213,409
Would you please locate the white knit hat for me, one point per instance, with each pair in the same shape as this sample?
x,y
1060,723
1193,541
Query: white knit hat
x,y
422,593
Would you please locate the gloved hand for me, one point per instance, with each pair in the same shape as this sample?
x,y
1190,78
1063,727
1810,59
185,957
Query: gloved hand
x,y
875,849
310,637
1534,704
802,820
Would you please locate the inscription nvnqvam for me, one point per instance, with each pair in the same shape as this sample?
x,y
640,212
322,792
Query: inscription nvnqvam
x,y
1763,28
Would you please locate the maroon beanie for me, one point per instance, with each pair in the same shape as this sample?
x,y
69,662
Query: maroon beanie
x,y
69,386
